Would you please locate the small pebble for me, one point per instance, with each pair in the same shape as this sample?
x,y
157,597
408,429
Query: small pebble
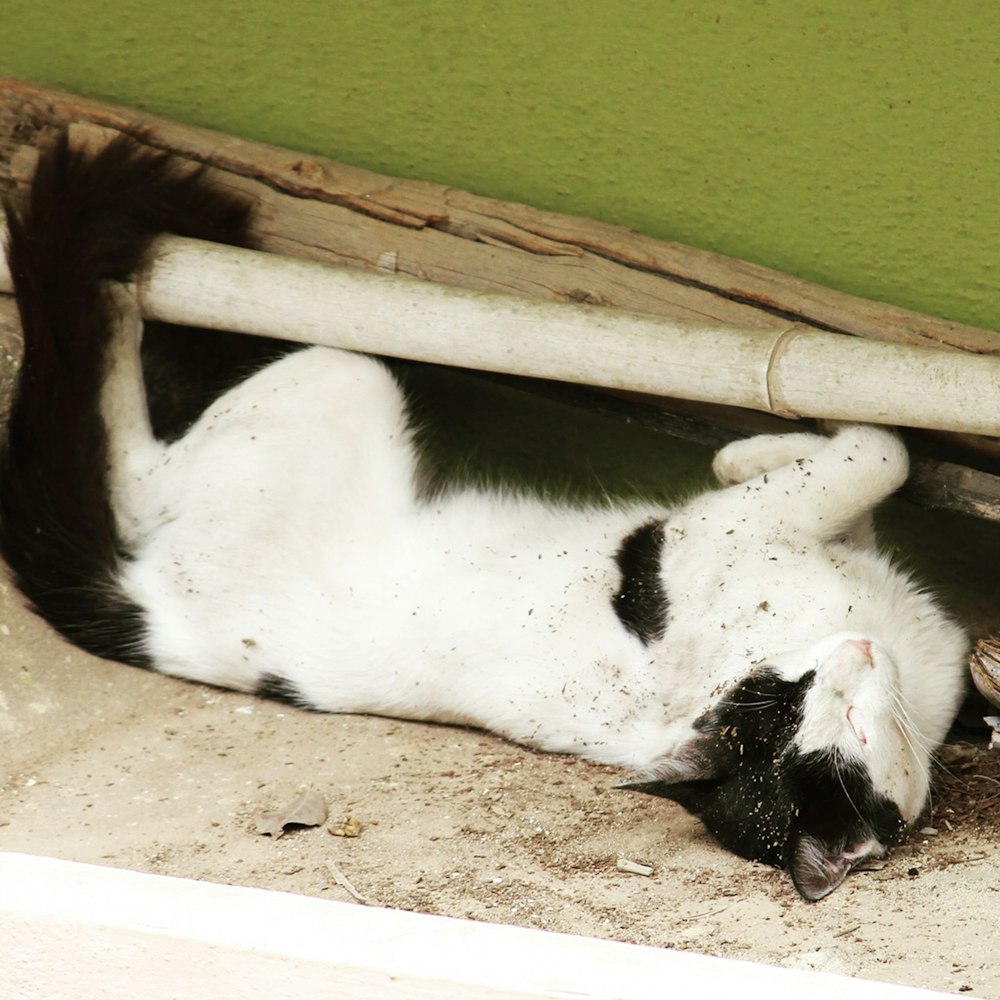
x,y
349,828
633,867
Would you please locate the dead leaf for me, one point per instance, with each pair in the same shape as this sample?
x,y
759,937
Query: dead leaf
x,y
308,809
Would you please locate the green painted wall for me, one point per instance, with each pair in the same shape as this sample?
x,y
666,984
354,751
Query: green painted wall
x,y
853,144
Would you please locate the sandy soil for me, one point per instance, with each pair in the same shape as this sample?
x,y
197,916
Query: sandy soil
x,y
115,766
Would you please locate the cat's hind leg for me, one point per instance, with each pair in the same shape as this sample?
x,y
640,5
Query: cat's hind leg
x,y
134,454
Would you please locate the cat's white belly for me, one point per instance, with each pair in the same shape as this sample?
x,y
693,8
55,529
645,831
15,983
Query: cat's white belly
x,y
495,614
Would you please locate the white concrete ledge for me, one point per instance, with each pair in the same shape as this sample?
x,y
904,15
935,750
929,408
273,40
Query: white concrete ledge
x,y
81,932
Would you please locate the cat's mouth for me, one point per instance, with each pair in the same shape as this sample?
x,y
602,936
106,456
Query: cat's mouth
x,y
865,850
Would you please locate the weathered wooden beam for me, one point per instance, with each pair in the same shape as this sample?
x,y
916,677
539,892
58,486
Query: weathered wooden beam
x,y
320,209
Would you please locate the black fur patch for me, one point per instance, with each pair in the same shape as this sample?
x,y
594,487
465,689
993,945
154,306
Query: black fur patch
x,y
736,790
836,802
279,688
760,796
640,601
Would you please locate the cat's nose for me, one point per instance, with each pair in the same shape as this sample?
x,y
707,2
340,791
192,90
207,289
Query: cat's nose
x,y
864,647
852,656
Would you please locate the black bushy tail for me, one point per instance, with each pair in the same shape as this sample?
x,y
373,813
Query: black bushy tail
x,y
89,218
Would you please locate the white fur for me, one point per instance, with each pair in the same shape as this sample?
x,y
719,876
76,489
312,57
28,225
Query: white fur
x,y
282,535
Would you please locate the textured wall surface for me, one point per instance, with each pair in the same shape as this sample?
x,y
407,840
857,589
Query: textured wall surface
x,y
852,144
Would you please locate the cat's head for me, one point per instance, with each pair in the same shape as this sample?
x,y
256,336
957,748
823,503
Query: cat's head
x,y
806,763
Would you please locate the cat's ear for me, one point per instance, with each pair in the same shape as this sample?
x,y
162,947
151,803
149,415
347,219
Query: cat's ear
x,y
687,777
694,796
817,868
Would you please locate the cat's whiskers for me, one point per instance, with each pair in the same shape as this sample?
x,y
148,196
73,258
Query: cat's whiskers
x,y
914,740
921,747
603,496
837,759
758,706
766,701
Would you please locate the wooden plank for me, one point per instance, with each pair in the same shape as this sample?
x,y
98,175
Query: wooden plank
x,y
948,486
88,933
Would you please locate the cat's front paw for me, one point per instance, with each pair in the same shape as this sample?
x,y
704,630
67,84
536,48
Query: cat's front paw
x,y
748,458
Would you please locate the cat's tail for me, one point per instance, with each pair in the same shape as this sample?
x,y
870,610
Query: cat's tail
x,y
89,218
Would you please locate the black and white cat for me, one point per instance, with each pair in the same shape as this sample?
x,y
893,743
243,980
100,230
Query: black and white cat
x,y
747,653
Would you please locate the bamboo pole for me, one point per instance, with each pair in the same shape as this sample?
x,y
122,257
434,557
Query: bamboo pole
x,y
795,371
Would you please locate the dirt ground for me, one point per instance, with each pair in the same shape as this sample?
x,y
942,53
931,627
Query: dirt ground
x,y
115,766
